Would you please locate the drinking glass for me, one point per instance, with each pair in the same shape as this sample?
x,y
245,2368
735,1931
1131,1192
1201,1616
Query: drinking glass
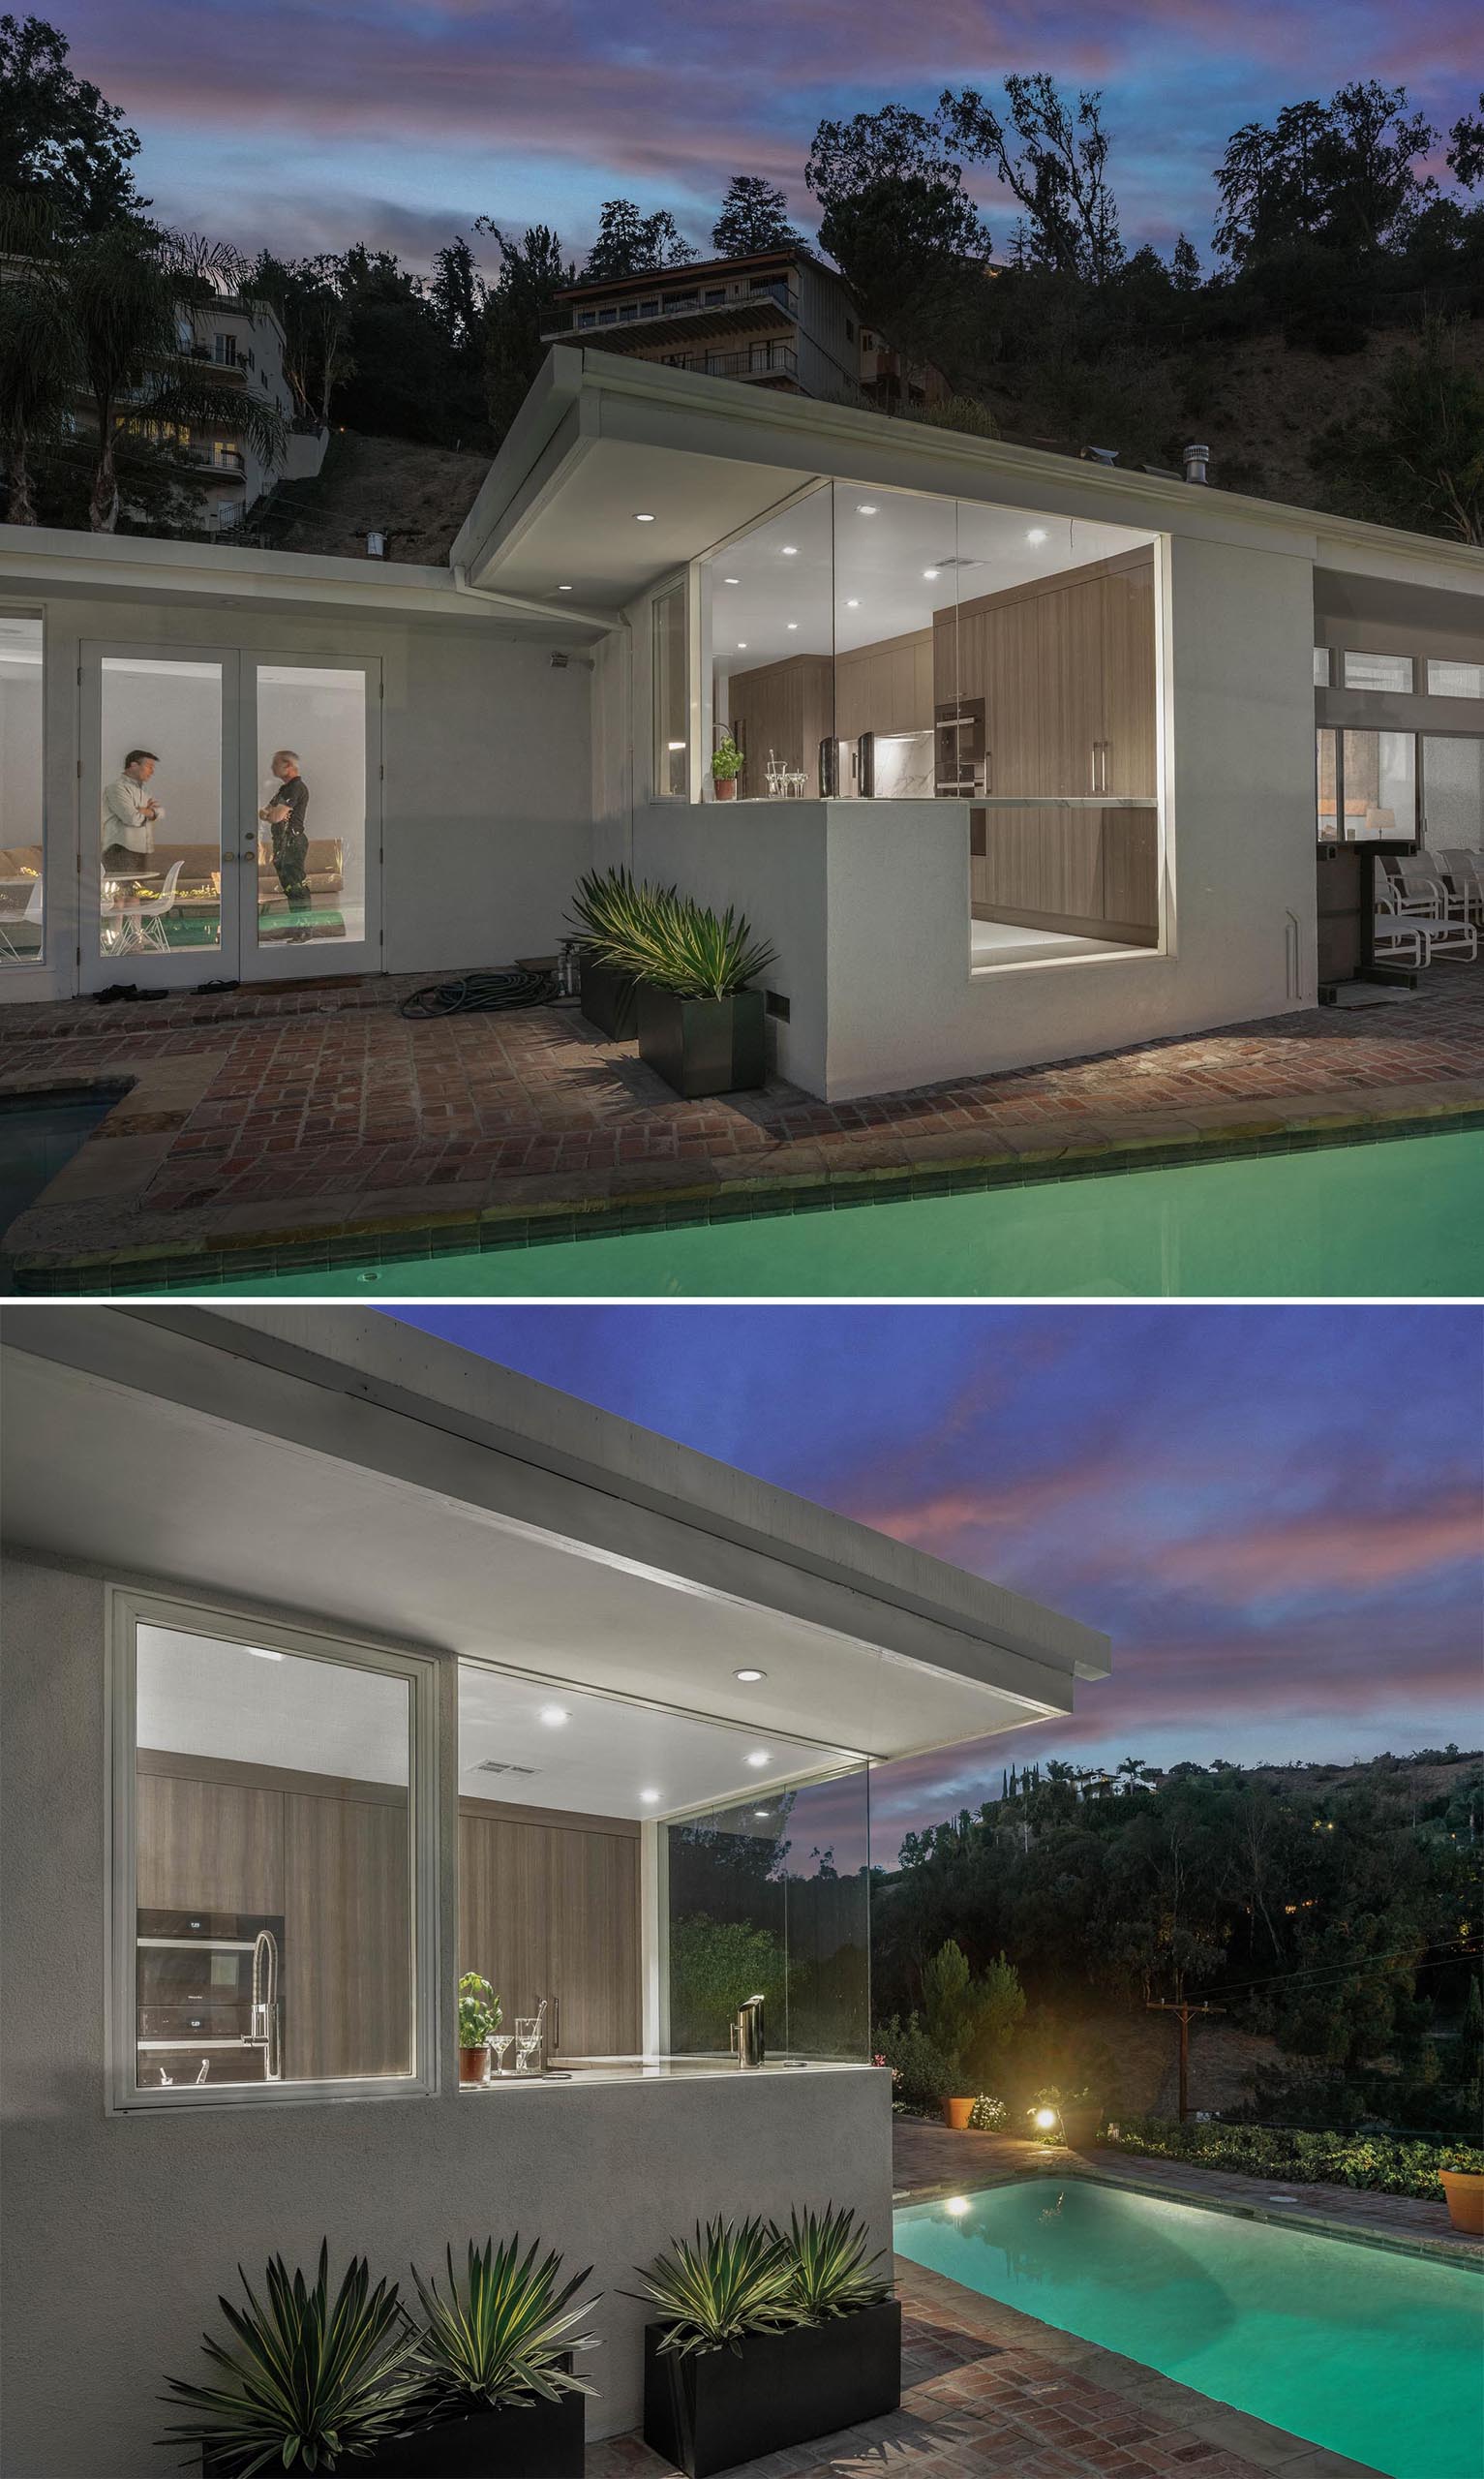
x,y
499,2041
528,2041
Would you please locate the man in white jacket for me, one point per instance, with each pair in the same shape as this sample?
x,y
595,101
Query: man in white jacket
x,y
130,816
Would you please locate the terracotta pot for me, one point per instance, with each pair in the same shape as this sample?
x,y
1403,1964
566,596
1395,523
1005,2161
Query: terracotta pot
x,y
958,2113
1079,2125
724,787
473,2065
1464,2191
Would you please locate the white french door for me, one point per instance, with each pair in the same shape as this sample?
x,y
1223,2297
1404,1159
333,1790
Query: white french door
x,y
266,780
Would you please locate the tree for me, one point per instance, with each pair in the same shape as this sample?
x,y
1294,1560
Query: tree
x,y
1340,175
754,216
531,274
58,135
1416,458
899,225
1185,265
630,243
971,2020
316,321
39,370
458,293
1058,171
1464,157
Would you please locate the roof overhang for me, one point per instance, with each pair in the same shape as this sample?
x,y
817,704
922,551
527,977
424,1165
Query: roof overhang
x,y
603,436
358,1472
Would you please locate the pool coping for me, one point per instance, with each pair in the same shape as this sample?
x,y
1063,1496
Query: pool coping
x,y
112,1258
1442,2250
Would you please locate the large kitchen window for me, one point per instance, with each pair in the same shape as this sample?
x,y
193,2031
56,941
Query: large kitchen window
x,y
21,870
273,1864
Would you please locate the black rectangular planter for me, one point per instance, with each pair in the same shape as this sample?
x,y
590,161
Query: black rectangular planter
x,y
606,997
542,2442
713,2408
703,1045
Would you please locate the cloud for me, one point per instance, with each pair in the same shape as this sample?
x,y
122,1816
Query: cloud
x,y
1352,1547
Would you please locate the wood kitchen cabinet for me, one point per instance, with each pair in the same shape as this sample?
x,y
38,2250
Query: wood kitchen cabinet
x,y
549,1907
207,1844
1066,668
346,1990
786,706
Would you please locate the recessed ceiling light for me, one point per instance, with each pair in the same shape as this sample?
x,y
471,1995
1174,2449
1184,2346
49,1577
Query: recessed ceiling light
x,y
642,517
731,580
675,744
759,1756
742,645
1037,533
650,1798
793,624
853,604
554,1715
749,1677
791,550
930,572
260,1653
866,507
761,1812
563,589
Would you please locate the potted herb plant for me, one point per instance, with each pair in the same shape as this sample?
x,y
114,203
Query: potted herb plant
x,y
765,2337
609,901
483,2390
479,2019
727,763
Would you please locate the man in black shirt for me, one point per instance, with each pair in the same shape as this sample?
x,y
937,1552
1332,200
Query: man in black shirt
x,y
285,816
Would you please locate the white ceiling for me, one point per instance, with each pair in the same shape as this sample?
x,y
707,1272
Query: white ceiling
x,y
846,566
137,1484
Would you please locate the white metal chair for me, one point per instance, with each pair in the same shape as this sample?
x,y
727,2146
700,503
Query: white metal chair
x,y
1409,937
145,920
10,951
1465,872
1425,881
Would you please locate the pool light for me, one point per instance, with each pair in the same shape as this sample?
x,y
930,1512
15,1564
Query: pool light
x,y
957,2205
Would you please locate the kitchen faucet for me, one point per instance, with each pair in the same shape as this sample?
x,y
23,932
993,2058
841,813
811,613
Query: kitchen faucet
x,y
263,2026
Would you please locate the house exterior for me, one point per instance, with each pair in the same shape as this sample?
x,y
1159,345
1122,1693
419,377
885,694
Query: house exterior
x,y
243,343
1041,757
779,318
338,1663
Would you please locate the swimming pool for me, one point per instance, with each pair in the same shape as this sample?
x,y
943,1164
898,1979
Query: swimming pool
x,y
1403,1217
1373,2353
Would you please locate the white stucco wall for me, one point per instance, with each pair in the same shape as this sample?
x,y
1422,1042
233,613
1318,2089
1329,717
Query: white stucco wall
x,y
124,2229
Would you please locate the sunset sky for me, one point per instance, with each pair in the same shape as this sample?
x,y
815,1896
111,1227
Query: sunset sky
x,y
1275,1513
312,123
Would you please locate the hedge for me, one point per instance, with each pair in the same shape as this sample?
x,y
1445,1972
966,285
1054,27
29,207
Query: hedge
x,y
1382,2163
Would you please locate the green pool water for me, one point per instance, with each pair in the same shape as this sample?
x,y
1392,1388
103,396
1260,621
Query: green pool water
x,y
1373,2354
1401,1218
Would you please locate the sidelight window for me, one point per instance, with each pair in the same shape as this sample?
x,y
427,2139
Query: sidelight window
x,y
670,702
272,1863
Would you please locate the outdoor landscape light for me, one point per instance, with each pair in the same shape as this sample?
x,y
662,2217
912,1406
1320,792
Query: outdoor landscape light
x,y
1045,2119
642,517
759,1756
749,1677
554,1715
1037,533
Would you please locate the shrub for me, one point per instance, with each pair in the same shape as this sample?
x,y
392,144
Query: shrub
x,y
714,1966
921,2073
730,2282
989,2114
656,936
971,2020
501,2336
1379,2164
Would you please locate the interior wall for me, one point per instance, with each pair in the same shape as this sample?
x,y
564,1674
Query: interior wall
x,y
169,2204
320,714
176,712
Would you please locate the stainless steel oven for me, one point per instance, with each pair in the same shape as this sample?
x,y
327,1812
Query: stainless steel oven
x,y
208,2006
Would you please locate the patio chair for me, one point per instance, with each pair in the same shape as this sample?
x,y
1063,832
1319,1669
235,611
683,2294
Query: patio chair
x,y
1403,938
1465,872
1427,887
148,915
10,951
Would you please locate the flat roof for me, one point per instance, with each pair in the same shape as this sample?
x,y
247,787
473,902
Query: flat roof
x,y
603,436
341,1466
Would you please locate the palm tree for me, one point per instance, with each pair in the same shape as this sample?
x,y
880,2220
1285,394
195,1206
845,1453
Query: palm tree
x,y
39,376
122,292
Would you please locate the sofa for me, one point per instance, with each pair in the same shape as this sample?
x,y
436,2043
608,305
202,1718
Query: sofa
x,y
197,888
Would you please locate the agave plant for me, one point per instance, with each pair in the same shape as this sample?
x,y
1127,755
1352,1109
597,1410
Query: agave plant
x,y
611,907
655,935
310,2382
731,2282
830,2273
498,2338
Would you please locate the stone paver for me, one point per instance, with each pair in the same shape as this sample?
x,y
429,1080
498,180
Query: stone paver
x,y
265,1115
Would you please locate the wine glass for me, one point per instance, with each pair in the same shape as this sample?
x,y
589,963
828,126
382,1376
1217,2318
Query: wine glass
x,y
498,2041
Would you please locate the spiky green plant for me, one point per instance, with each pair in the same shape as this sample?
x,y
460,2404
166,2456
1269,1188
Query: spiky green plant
x,y
830,2273
731,2282
498,2338
310,2382
610,905
658,936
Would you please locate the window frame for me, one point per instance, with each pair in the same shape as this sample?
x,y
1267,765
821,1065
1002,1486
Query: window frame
x,y
661,735
127,1611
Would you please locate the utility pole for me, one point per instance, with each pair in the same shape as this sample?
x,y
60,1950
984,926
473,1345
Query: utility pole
x,y
1182,2007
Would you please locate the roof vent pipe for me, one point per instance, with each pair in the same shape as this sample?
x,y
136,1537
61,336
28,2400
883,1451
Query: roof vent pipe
x,y
1099,455
1197,460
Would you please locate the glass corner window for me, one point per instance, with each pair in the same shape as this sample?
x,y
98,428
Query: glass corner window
x,y
273,1812
670,703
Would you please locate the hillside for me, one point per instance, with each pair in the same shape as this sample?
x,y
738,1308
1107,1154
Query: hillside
x,y
414,495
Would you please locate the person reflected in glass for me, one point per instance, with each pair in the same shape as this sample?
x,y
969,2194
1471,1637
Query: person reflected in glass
x,y
130,815
283,816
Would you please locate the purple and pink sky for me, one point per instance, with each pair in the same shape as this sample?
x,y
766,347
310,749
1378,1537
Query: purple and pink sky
x,y
1277,1514
308,124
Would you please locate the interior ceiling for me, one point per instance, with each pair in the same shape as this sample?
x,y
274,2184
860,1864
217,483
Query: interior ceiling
x,y
205,1695
848,566
137,1484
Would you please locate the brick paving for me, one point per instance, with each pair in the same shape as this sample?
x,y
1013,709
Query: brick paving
x,y
989,2393
284,1110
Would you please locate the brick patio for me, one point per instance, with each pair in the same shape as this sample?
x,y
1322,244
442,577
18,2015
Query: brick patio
x,y
252,1118
989,2393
